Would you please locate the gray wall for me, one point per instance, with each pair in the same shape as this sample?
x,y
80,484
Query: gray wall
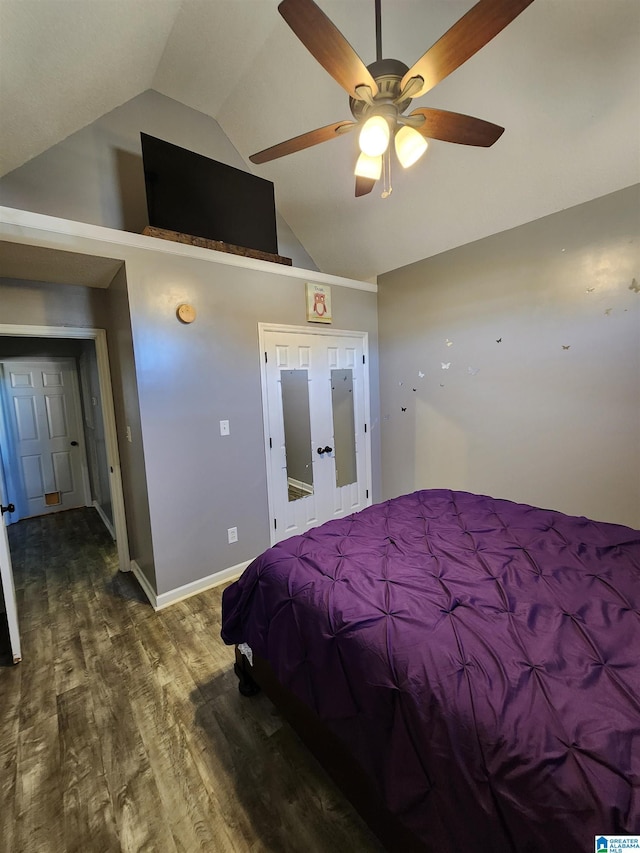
x,y
43,303
94,433
192,376
541,402
127,411
96,176
38,303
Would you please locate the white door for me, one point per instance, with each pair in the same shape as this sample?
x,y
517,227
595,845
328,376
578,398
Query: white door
x,y
6,578
43,410
315,399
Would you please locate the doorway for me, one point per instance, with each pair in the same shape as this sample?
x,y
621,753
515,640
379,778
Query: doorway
x,y
97,337
99,391
315,394
45,459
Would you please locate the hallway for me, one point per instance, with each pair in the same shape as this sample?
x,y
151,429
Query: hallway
x,y
123,729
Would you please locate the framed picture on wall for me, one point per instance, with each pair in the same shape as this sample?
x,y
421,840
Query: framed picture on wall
x,y
318,303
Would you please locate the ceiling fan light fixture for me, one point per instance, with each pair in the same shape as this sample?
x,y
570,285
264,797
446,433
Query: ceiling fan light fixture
x,y
410,146
374,136
369,167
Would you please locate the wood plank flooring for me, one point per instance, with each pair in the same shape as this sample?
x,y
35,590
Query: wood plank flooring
x,y
123,729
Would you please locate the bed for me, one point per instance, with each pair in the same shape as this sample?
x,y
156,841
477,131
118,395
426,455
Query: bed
x,y
476,660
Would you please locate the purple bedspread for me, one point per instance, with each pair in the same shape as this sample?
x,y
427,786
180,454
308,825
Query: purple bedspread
x,y
480,658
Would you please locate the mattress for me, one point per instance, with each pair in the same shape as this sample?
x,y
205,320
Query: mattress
x,y
479,658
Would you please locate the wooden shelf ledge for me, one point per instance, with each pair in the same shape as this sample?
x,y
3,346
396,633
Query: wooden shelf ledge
x,y
216,245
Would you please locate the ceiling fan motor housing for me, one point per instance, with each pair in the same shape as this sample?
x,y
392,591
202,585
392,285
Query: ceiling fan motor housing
x,y
388,74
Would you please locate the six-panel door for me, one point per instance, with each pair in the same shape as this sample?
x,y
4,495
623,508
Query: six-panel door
x,y
43,408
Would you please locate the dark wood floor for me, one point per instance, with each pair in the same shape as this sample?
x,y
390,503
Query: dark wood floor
x,y
123,729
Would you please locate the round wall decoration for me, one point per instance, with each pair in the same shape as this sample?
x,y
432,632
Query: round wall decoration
x,y
186,313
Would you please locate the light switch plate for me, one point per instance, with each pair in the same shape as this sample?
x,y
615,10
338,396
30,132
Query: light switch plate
x,y
224,427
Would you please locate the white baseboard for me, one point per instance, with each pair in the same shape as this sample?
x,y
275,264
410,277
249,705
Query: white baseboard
x,y
105,520
158,602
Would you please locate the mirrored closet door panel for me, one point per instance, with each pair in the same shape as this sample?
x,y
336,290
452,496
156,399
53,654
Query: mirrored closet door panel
x,y
315,411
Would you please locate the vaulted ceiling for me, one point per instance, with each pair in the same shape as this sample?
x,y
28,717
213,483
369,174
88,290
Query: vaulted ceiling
x,y
563,79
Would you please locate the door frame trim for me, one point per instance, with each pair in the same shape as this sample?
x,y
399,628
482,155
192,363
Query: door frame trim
x,y
322,331
6,575
99,336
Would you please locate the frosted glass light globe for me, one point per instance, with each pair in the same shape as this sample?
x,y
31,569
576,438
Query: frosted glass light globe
x,y
374,136
369,167
410,146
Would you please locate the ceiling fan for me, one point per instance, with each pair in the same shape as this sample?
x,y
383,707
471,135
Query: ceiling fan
x,y
380,93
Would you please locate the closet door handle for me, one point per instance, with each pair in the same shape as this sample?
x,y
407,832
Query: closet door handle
x,y
7,508
74,444
327,449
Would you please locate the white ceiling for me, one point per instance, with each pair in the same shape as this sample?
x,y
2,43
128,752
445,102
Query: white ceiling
x,y
563,79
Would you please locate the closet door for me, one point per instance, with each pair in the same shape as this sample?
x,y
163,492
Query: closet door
x,y
314,399
343,401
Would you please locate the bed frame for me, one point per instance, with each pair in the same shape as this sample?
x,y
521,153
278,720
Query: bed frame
x,y
330,753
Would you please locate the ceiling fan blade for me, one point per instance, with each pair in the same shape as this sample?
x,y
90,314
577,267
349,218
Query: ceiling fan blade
x,y
364,185
305,140
455,127
481,23
327,44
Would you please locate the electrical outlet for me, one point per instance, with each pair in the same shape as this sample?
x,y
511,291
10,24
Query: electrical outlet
x,y
224,427
129,434
232,534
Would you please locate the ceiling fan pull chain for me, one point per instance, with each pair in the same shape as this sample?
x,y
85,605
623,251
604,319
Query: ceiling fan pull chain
x,y
386,166
385,179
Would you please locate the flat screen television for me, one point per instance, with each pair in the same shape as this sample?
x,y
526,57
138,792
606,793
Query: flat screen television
x,y
193,194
